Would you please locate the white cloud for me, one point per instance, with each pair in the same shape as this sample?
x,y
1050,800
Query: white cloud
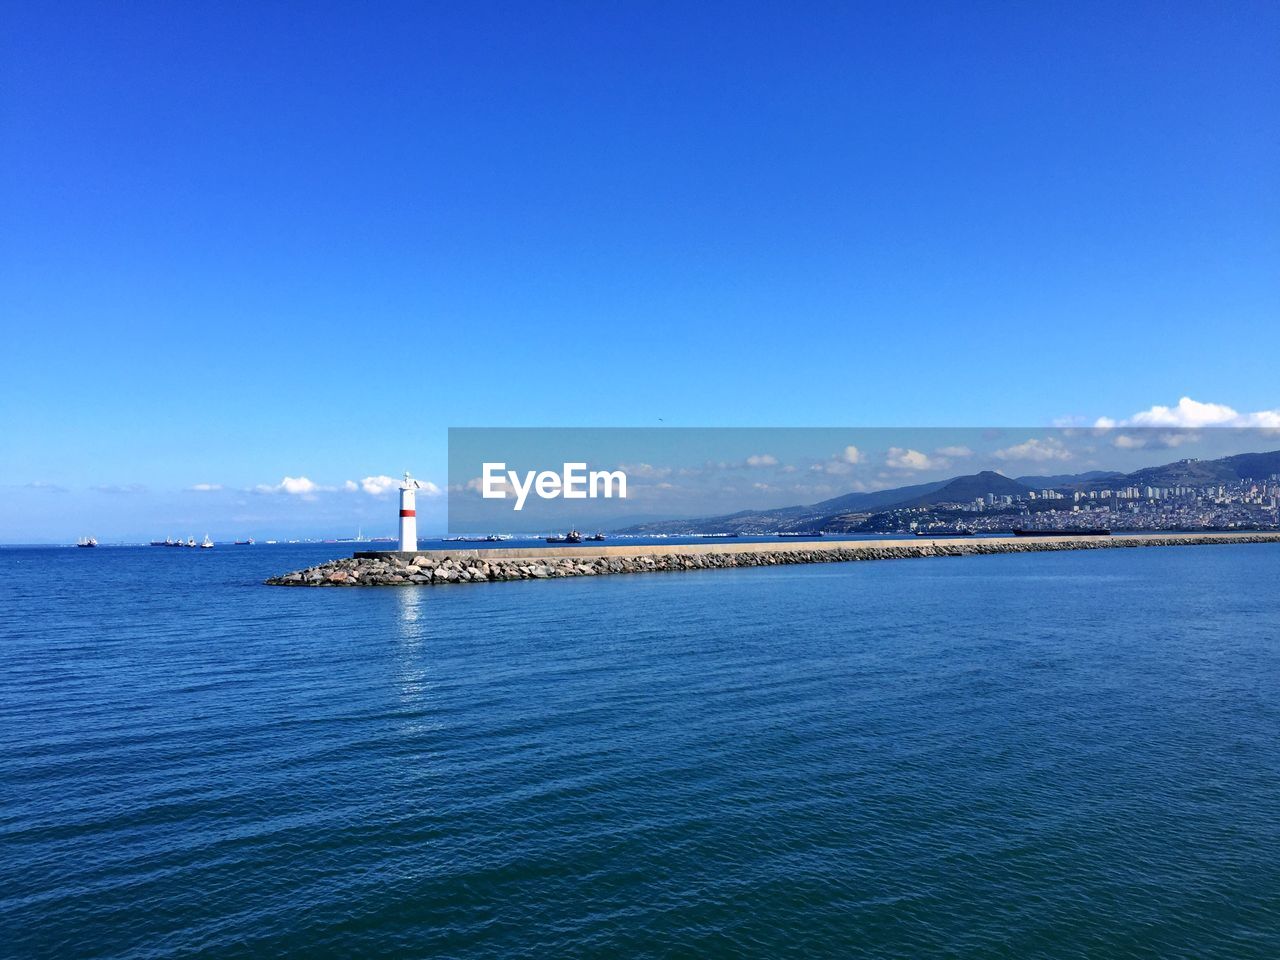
x,y
207,487
1155,440
1194,414
837,465
294,486
907,459
307,489
648,470
379,485
1036,451
901,459
762,460
500,484
120,488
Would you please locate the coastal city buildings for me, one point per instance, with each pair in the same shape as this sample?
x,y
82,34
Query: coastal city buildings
x,y
1244,504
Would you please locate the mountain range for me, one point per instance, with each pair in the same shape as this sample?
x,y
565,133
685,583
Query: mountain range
x,y
835,511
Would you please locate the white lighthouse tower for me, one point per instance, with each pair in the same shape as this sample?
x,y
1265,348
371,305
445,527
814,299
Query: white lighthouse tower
x,y
408,515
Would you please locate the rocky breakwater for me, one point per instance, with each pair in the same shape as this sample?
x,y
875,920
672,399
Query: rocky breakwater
x,y
393,569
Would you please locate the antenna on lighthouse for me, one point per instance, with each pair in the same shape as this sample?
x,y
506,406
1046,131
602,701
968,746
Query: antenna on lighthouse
x,y
408,515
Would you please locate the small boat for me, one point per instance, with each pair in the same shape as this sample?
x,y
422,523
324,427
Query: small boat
x,y
244,543
87,542
191,542
206,543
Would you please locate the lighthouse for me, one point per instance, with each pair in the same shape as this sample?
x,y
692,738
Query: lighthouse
x,y
408,515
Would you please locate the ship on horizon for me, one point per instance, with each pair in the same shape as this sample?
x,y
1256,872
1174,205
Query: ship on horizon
x,y
573,536
1069,532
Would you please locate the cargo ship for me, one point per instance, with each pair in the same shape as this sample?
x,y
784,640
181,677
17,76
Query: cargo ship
x,y
573,536
1081,532
87,542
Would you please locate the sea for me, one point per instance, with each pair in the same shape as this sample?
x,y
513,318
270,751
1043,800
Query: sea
x,y
1047,755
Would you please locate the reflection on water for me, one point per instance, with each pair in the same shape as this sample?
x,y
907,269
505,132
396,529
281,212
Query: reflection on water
x,y
411,603
411,661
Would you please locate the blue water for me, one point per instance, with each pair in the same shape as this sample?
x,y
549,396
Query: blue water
x,y
1041,755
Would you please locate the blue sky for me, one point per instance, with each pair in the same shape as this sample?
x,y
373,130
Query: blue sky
x,y
256,241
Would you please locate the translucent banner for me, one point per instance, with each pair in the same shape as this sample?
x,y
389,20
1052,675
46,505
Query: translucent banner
x,y
621,482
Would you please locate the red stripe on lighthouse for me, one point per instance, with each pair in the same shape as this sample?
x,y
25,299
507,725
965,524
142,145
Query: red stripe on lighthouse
x,y
408,513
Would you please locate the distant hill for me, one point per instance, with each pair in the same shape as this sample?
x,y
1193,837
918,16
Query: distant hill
x,y
1254,466
1067,479
839,512
799,517
956,490
965,489
877,500
1194,473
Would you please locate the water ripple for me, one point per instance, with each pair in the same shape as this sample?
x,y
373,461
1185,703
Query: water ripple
x,y
1044,755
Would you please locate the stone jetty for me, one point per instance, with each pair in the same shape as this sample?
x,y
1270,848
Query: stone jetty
x,y
544,563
